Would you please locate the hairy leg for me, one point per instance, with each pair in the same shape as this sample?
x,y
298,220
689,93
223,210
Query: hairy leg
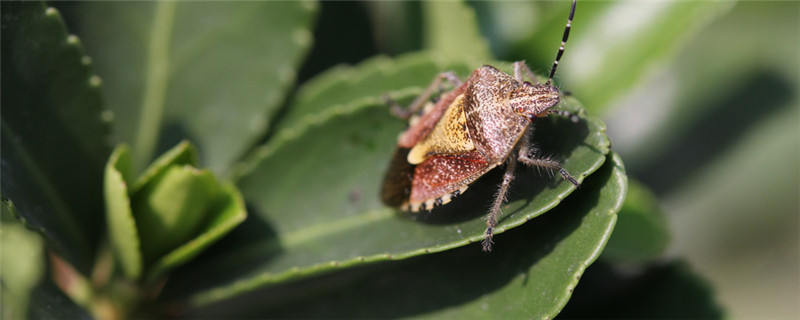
x,y
529,155
499,199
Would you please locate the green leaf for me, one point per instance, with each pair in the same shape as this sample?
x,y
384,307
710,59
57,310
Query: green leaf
x,y
182,210
641,233
211,72
619,44
122,230
22,264
54,136
172,208
230,211
401,78
451,29
663,291
183,154
316,187
530,275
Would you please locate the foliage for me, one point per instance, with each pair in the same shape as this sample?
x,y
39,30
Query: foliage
x,y
286,221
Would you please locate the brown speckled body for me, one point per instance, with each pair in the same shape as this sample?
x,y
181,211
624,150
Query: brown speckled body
x,y
471,130
477,126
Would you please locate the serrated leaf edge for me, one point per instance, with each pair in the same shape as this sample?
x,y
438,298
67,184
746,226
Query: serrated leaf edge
x,y
351,74
61,209
174,156
309,122
622,181
94,82
286,136
113,175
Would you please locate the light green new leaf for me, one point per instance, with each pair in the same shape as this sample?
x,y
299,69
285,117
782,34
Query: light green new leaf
x,y
183,154
180,209
210,72
22,263
530,275
316,186
123,230
173,208
641,233
229,211
121,226
54,138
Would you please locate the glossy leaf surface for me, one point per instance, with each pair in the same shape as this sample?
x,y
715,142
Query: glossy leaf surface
x,y
531,273
54,136
313,196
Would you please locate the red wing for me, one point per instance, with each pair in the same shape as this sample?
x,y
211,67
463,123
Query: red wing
x,y
441,175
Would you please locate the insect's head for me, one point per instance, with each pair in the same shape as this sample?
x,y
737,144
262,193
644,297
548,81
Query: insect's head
x,y
533,100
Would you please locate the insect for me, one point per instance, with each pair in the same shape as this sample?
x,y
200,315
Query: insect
x,y
483,123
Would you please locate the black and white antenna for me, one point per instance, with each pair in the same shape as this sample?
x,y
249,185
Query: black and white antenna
x,y
563,43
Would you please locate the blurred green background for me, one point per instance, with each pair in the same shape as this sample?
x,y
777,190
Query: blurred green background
x,y
701,101
713,128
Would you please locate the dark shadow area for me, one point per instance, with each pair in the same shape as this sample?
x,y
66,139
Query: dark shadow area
x,y
661,291
337,40
173,133
53,152
717,129
70,12
422,284
47,301
342,35
249,245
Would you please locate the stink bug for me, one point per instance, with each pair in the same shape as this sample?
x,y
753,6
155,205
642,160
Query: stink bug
x,y
484,122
